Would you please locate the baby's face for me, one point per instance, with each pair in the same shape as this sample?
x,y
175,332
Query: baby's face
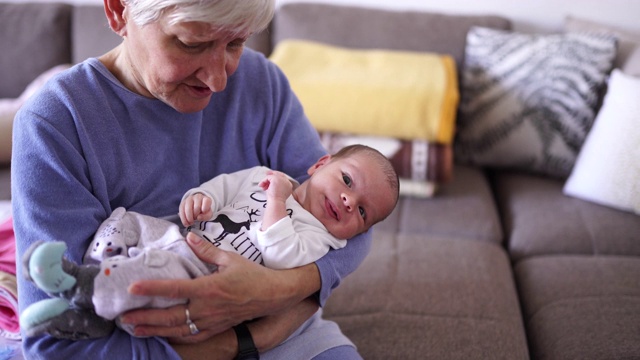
x,y
348,195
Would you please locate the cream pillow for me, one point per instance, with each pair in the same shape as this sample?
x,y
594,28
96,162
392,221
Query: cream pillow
x,y
607,170
9,108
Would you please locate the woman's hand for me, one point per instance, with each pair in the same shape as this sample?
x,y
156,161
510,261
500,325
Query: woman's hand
x,y
267,333
239,290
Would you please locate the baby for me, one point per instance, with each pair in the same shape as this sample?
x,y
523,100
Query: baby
x,y
262,214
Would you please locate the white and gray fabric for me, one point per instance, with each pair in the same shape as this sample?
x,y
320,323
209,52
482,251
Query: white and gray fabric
x,y
528,101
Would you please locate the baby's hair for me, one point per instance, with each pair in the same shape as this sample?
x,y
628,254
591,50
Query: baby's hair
x,y
379,158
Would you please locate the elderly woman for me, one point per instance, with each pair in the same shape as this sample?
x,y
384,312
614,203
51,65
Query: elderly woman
x,y
178,102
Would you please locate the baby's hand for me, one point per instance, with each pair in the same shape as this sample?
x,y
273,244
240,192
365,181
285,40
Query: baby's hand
x,y
277,185
195,207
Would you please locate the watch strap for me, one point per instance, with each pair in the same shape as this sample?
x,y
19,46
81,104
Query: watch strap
x,y
246,347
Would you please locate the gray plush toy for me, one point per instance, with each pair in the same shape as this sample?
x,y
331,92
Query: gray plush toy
x,y
86,299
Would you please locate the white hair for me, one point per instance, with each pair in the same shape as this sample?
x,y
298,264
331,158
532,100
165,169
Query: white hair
x,y
238,16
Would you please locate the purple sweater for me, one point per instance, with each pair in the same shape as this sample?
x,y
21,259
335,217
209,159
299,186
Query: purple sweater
x,y
86,145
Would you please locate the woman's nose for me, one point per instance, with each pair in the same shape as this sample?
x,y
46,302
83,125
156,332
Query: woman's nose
x,y
214,71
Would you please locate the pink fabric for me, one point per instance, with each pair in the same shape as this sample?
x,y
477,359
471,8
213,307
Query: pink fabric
x,y
9,320
7,247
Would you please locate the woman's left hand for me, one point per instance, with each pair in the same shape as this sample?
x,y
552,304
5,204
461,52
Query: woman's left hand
x,y
239,290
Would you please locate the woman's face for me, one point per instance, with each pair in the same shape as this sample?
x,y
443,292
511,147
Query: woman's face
x,y
181,64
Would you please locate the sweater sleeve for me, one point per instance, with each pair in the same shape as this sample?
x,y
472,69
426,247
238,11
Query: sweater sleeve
x,y
294,146
54,198
339,263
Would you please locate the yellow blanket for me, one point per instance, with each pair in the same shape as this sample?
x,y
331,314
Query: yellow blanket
x,y
406,95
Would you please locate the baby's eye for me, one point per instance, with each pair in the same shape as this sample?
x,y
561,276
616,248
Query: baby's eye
x,y
346,179
362,212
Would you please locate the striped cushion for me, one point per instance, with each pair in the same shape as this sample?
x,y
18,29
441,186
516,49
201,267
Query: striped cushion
x,y
528,101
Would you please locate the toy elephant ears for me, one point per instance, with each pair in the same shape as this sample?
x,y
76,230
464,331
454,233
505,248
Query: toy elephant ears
x,y
27,256
118,213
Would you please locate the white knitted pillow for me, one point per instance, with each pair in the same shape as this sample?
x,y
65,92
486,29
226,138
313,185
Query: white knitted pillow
x,y
608,168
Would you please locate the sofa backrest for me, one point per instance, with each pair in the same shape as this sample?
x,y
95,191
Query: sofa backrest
x,y
359,27
38,36
34,38
91,35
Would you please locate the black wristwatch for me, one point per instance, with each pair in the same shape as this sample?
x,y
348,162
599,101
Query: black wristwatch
x,y
246,348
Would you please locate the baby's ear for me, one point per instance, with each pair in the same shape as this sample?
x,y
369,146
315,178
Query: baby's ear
x,y
320,163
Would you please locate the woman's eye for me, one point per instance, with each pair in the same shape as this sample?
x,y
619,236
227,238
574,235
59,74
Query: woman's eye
x,y
236,44
362,213
187,46
346,179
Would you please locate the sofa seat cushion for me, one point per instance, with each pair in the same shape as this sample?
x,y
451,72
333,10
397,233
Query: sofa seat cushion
x,y
581,307
463,208
430,297
539,219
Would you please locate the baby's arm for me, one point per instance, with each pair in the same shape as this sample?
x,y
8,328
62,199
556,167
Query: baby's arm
x,y
278,187
194,207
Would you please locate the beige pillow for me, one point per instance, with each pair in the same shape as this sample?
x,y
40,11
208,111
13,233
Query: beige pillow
x,y
9,108
628,56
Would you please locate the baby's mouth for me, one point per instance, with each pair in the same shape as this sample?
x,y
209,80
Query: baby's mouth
x,y
331,209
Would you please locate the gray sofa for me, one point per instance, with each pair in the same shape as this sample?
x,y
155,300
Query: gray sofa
x,y
498,265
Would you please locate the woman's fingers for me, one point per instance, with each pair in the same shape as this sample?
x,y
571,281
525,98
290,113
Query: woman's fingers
x,y
174,288
206,251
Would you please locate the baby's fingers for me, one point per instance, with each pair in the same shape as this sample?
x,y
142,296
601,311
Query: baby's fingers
x,y
186,211
202,211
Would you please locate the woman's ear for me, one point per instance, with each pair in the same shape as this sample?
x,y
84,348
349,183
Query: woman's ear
x,y
114,9
320,163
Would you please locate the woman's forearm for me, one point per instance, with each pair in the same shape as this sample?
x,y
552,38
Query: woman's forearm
x,y
300,282
267,333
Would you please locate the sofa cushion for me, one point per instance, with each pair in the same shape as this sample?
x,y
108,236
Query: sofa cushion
x,y
581,307
9,108
539,220
628,55
529,100
5,182
431,297
608,167
462,209
344,26
38,36
91,34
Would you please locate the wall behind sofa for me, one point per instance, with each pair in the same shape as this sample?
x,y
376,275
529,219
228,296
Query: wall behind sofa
x,y
527,15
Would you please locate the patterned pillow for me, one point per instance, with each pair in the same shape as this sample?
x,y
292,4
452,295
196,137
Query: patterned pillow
x,y
528,101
